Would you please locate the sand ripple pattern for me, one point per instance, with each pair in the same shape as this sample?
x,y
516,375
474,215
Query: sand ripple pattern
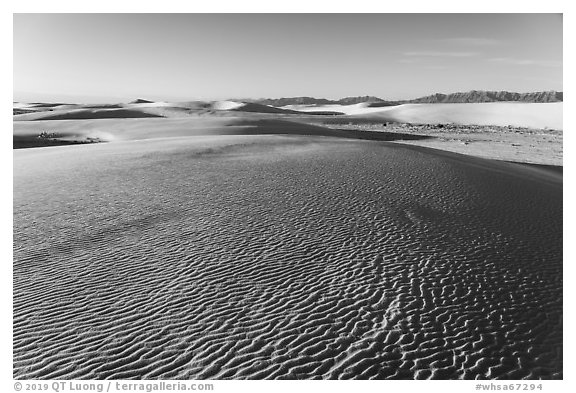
x,y
282,258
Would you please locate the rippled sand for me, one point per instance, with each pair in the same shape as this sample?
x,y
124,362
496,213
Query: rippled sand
x,y
283,257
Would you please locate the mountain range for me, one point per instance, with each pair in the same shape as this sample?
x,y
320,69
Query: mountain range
x,y
473,96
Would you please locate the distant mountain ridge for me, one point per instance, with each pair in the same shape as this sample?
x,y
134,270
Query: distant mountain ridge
x,y
476,96
315,101
473,96
293,101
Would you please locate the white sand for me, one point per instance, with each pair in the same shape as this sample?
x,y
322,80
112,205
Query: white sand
x,y
355,109
533,115
227,105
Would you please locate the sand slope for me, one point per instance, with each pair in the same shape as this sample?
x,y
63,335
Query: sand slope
x,y
283,257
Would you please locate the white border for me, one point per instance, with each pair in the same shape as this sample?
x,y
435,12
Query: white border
x,y
247,6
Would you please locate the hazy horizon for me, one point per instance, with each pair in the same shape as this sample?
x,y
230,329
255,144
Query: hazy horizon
x,y
121,57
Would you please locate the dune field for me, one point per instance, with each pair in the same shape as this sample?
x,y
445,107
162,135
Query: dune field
x,y
519,132
530,115
202,241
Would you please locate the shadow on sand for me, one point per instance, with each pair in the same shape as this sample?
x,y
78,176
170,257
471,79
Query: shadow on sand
x,y
282,127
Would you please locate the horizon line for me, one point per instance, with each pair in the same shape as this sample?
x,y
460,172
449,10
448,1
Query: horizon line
x,y
142,96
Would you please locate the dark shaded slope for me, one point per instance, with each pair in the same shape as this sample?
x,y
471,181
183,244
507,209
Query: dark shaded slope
x,y
98,114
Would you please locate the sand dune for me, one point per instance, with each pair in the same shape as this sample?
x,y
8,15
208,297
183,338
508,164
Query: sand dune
x,y
548,115
143,109
533,115
78,114
47,104
233,257
88,123
259,108
136,109
124,129
227,105
114,130
250,107
361,108
141,101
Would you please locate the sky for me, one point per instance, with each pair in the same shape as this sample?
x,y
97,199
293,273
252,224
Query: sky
x,y
120,57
